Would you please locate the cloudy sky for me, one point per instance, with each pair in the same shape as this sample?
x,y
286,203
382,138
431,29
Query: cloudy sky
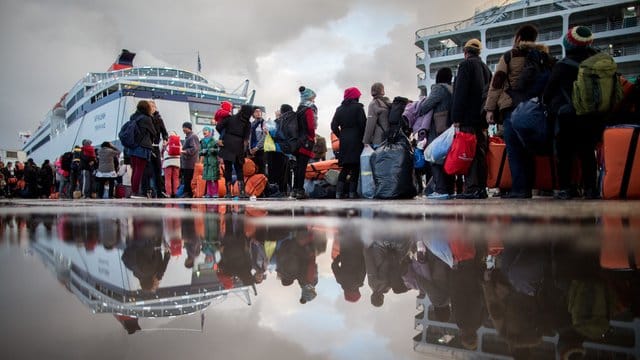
x,y
48,45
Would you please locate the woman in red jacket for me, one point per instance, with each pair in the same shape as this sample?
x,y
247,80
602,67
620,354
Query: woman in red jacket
x,y
307,117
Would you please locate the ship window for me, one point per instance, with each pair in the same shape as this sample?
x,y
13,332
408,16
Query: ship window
x,y
168,73
12,154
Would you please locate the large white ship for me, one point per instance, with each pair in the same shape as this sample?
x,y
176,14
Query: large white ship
x,y
97,105
614,24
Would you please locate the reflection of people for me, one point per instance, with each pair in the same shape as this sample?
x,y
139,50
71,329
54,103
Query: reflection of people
x,y
386,262
143,255
234,250
348,266
192,243
296,260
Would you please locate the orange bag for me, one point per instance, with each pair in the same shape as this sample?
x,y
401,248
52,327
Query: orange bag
x,y
546,173
621,163
316,170
255,184
618,250
199,187
498,172
249,167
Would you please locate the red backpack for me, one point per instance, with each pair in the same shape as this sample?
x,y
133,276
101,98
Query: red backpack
x,y
174,146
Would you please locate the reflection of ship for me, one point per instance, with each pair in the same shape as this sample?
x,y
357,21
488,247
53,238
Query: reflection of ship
x,y
614,24
98,277
97,105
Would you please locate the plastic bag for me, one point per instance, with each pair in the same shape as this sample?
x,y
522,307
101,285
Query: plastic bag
x,y
392,167
269,144
441,249
437,151
461,154
529,122
367,187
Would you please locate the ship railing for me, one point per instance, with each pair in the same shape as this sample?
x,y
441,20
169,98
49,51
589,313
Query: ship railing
x,y
420,56
612,25
455,50
443,28
627,50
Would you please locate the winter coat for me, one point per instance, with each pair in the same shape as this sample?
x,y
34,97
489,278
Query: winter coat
x,y
506,76
88,157
439,99
147,134
161,130
209,155
191,149
472,78
348,124
417,122
562,77
310,118
348,267
106,164
384,261
257,135
235,131
377,120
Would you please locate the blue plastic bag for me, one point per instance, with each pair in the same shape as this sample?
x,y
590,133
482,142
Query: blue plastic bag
x,y
418,159
367,187
529,122
180,190
437,151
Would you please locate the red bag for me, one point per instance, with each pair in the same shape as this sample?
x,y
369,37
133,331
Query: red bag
x,y
173,145
461,154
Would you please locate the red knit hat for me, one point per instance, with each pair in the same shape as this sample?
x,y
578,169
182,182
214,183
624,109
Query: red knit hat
x,y
577,36
352,93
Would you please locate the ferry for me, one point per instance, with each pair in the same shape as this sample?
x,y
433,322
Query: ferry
x,y
99,104
614,24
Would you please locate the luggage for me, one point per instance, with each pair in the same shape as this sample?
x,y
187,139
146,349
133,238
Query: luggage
x,y
619,250
392,167
461,154
367,188
546,177
621,163
498,172
120,191
249,167
316,170
255,184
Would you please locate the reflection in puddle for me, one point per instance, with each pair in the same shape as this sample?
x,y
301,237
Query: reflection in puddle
x,y
496,285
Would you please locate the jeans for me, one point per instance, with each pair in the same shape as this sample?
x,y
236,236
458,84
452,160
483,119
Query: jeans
x,y
521,162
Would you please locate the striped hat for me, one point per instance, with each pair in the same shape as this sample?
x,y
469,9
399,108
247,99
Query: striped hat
x,y
577,36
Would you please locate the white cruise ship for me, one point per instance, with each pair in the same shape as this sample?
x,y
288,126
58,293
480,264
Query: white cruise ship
x,y
97,105
614,24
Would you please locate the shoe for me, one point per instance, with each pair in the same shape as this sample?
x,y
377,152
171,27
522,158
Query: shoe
x,y
437,196
517,195
562,195
162,195
207,196
478,194
353,195
590,194
138,197
301,195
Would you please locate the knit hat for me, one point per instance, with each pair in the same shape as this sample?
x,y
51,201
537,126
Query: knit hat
x,y
206,128
352,93
187,125
577,36
473,45
352,295
377,89
306,93
226,106
86,142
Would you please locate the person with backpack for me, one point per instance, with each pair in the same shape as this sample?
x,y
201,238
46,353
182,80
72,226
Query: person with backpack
x,y
234,137
188,157
307,115
256,140
75,173
466,113
140,152
513,82
156,158
439,101
108,158
577,135
377,117
65,172
285,137
88,165
349,124
171,164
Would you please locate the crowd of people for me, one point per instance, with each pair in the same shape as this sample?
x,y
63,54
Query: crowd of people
x,y
160,164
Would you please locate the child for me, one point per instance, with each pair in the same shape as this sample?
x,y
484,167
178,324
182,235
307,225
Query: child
x,y
209,160
171,164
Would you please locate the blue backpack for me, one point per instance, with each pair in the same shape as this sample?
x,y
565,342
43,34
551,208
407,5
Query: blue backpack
x,y
129,133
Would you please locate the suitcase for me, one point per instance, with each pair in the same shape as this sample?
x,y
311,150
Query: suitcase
x,y
621,162
620,250
498,173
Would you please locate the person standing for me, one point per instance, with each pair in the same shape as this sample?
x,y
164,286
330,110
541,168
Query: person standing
x,y
88,165
349,124
439,100
285,137
577,135
141,153
505,93
171,164
256,140
307,114
209,160
320,149
108,157
235,131
159,141
466,112
377,117
188,157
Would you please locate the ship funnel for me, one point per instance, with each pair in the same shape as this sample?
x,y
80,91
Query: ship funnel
x,y
123,61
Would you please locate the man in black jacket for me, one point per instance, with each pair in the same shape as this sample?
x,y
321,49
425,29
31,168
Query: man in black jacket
x,y
469,91
156,155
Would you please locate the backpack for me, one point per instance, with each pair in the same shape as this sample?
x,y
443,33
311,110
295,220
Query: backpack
x,y
287,132
533,77
597,88
590,305
173,146
65,161
397,122
303,130
129,133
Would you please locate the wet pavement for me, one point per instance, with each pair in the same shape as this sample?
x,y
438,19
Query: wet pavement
x,y
319,279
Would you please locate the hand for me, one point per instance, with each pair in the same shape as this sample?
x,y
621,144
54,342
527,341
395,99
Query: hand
x,y
220,143
164,143
456,125
490,119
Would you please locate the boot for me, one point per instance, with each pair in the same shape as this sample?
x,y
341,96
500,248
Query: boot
x,y
339,189
243,195
228,195
353,190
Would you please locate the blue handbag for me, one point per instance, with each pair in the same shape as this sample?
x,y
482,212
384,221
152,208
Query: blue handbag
x,y
529,122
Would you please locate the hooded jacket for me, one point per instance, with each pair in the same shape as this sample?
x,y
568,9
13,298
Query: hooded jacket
x,y
377,120
349,124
